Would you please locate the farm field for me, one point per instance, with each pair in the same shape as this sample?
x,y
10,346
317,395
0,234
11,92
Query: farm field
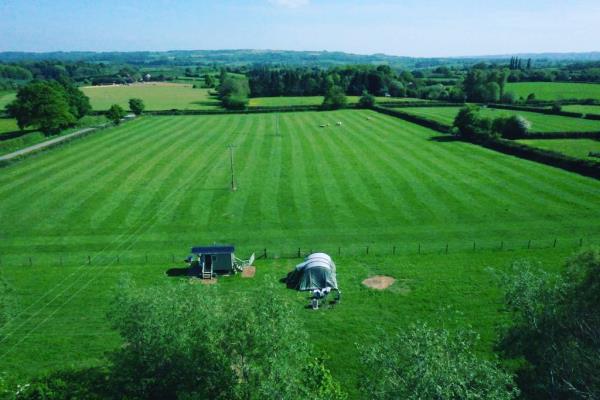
x,y
539,122
8,125
156,96
579,148
151,188
555,90
5,98
64,319
313,100
31,137
582,108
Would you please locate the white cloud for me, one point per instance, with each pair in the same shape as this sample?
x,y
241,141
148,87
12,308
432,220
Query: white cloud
x,y
289,3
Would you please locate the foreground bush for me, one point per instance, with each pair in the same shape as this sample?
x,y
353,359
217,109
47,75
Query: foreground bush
x,y
188,342
425,363
556,329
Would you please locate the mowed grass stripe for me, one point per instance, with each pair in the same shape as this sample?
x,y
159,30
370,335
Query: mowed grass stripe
x,y
73,186
494,164
287,207
21,173
128,168
45,180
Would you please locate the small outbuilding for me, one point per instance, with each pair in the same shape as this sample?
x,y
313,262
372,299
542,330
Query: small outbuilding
x,y
213,260
316,272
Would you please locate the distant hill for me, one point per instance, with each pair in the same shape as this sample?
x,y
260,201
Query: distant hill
x,y
274,57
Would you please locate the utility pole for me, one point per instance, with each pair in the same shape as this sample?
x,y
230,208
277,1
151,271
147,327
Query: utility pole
x,y
233,188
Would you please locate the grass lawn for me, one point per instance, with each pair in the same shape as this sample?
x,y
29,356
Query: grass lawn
x,y
582,108
539,122
8,125
32,137
156,96
5,98
555,90
313,100
579,148
157,185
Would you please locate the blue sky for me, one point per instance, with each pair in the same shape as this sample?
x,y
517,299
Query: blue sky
x,y
410,27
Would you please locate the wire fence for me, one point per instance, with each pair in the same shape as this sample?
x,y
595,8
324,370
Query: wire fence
x,y
272,253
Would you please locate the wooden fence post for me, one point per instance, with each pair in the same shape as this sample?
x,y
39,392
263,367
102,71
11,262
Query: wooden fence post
x,y
529,244
419,248
473,246
89,260
173,258
446,248
265,252
339,250
367,250
30,262
554,245
580,242
394,250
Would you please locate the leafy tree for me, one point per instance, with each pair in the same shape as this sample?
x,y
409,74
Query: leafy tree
x,y
334,98
79,103
115,113
513,127
470,125
233,91
42,104
367,100
209,81
555,330
137,106
186,341
425,363
509,98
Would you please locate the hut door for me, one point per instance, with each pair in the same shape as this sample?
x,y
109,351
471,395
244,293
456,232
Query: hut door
x,y
207,262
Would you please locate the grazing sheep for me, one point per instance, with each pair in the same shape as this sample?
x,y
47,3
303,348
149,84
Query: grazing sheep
x,y
339,123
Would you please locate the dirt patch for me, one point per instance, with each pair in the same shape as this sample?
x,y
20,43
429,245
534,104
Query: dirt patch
x,y
248,272
379,282
198,281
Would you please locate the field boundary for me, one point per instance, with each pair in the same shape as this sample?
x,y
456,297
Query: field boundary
x,y
428,123
9,158
107,259
546,111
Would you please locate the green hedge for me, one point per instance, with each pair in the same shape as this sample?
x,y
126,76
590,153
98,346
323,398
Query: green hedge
x,y
435,125
548,157
561,135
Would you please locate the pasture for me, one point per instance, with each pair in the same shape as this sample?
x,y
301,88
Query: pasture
x,y
314,100
136,197
579,148
582,108
156,96
5,98
539,122
555,90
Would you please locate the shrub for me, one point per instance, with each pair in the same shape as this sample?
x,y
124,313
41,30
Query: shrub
x,y
556,107
512,127
509,98
137,106
334,98
115,113
367,100
425,363
555,330
470,125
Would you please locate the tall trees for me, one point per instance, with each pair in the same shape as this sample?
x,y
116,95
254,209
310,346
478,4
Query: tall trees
x,y
334,98
48,105
484,86
44,105
556,328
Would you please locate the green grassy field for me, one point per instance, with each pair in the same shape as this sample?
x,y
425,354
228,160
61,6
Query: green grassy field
x,y
539,122
582,108
31,137
579,148
157,185
312,100
555,90
8,125
5,98
156,96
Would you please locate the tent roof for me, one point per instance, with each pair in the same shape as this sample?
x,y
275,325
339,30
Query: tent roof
x,y
213,250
